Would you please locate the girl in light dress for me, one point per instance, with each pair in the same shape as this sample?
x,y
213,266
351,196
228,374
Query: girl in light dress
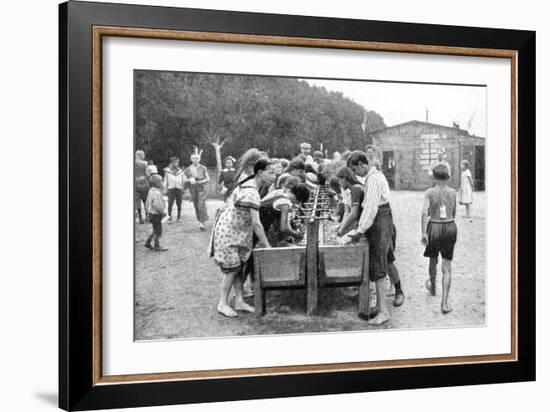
x,y
231,240
465,196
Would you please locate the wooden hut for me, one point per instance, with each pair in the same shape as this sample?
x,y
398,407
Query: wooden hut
x,y
407,150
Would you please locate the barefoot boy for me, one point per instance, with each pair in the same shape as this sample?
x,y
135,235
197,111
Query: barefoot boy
x,y
155,211
439,231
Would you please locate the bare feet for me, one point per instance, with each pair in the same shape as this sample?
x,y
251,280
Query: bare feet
x,y
379,319
226,310
430,286
244,307
445,308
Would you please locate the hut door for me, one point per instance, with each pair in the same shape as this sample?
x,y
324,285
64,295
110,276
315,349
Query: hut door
x,y
388,167
479,169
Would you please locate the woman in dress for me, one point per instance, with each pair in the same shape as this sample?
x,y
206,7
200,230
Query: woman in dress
x,y
197,178
231,242
466,184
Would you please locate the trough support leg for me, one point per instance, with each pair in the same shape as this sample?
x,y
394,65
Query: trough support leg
x,y
259,293
312,270
364,292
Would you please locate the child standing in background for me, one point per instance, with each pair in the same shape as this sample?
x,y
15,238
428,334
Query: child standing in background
x,y
174,182
155,205
197,176
141,184
227,177
151,168
465,196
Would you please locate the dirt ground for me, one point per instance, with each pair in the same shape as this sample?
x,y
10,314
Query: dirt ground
x,y
176,291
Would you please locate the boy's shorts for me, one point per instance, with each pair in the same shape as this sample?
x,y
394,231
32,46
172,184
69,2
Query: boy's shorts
x,y
156,221
441,239
380,236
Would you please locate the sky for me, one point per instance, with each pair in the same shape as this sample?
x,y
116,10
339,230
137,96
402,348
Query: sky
x,y
402,102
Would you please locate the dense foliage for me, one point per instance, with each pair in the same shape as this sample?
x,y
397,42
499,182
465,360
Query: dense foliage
x,y
231,113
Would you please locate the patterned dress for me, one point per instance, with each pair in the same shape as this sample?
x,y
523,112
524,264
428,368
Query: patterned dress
x,y
232,234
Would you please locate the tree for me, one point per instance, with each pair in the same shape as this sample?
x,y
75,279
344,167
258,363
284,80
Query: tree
x,y
231,113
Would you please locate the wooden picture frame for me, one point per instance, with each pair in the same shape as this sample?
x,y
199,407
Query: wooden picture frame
x,y
82,27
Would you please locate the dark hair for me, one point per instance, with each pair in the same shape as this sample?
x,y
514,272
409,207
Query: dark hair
x,y
347,173
334,184
310,169
440,172
289,182
356,157
369,146
301,191
296,164
174,158
262,164
467,163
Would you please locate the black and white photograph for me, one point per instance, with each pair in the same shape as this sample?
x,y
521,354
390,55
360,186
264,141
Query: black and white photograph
x,y
272,205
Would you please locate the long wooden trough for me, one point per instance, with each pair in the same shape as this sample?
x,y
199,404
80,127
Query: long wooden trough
x,y
313,266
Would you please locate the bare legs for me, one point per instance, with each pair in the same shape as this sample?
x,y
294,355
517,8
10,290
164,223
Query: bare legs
x,y
381,306
240,304
446,285
432,270
445,282
225,286
235,280
468,215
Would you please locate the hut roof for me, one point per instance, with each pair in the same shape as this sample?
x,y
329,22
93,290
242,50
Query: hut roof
x,y
419,123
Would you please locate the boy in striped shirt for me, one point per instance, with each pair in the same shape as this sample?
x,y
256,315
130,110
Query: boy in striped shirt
x,y
376,223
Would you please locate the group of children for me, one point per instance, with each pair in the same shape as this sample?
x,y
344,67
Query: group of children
x,y
262,194
151,187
